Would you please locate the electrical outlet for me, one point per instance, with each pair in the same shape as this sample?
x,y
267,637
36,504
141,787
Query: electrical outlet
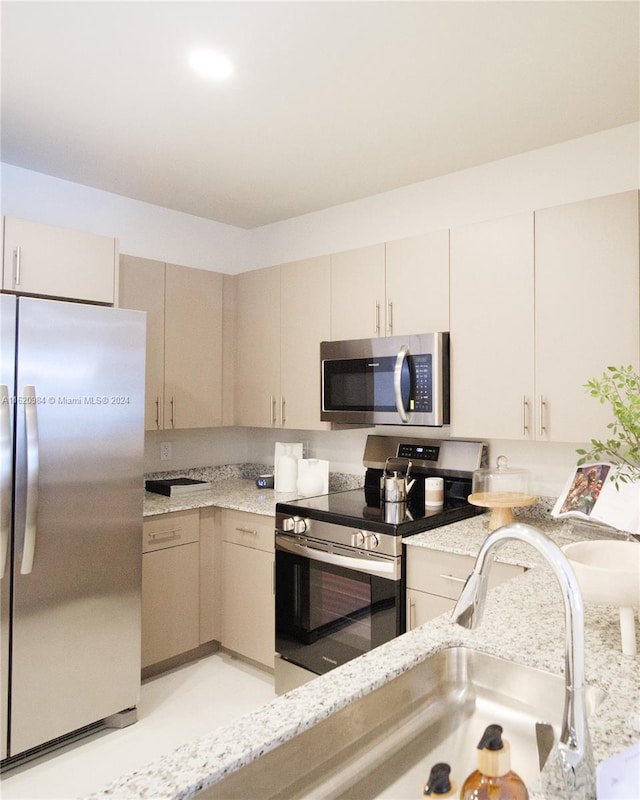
x,y
165,451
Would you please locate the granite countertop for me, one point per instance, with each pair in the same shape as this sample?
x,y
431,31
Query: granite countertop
x,y
513,627
233,487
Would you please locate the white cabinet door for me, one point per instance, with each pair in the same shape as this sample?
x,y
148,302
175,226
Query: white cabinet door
x,y
193,348
184,341
258,347
58,262
587,316
417,284
492,329
142,288
358,293
170,586
305,322
248,604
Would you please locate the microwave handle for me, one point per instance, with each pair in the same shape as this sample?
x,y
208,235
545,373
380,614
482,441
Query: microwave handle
x,y
397,382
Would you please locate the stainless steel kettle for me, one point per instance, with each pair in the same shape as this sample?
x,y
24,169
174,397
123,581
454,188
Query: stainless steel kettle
x,y
395,485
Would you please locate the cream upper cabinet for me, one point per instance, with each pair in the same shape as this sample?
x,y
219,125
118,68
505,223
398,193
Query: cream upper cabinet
x,y
282,316
417,284
184,341
142,288
58,262
358,293
192,348
492,328
587,316
534,316
304,323
258,347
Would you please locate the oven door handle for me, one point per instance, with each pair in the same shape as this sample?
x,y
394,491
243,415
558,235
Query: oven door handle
x,y
371,567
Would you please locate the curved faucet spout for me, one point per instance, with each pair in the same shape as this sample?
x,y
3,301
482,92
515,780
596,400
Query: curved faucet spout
x,y
574,746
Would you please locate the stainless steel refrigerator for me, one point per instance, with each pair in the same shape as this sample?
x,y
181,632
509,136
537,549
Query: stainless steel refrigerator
x,y
71,461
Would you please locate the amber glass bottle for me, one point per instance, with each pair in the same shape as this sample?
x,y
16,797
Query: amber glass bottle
x,y
494,780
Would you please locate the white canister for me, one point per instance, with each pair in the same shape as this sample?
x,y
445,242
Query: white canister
x,y
433,492
287,472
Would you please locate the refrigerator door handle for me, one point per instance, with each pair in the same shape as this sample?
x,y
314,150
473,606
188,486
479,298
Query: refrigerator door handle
x,y
5,477
33,470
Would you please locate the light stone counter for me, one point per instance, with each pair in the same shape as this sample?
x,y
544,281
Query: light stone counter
x,y
233,487
523,622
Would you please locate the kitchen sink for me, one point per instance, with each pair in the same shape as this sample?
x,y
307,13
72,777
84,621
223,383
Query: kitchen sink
x,y
384,744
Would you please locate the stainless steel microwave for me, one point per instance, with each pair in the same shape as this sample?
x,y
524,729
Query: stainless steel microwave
x,y
392,380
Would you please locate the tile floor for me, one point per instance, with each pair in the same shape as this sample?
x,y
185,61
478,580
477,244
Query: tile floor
x,y
174,707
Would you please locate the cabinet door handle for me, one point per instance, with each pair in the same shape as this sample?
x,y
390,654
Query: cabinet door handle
x,y
272,410
453,578
389,317
525,415
158,412
412,614
541,415
165,536
173,411
247,530
18,254
282,409
376,320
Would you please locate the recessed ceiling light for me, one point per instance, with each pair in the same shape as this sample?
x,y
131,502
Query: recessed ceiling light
x,y
210,64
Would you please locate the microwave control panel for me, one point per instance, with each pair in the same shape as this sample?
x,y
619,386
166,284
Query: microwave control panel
x,y
422,398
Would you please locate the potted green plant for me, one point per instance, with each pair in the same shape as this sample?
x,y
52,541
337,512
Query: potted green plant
x,y
620,387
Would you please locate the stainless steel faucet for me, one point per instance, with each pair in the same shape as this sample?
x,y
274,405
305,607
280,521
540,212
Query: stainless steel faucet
x,y
574,747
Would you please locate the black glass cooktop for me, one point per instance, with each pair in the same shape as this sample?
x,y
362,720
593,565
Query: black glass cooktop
x,y
360,509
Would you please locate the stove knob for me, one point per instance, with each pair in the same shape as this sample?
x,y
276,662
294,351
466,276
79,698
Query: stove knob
x,y
358,539
371,541
288,524
299,525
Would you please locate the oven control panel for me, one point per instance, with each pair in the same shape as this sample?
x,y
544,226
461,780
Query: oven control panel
x,y
364,540
294,525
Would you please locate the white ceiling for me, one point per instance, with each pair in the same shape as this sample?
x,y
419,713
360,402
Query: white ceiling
x,y
329,101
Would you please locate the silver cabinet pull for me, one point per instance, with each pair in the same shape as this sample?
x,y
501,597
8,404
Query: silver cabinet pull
x,y
165,536
5,476
282,410
158,411
18,253
525,415
247,530
453,578
376,320
272,410
173,411
389,317
541,415
412,614
33,474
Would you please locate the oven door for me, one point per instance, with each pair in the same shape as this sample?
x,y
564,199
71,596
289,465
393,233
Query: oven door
x,y
332,607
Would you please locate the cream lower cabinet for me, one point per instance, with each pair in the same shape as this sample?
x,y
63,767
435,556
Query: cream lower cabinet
x,y
170,585
248,615
58,262
435,580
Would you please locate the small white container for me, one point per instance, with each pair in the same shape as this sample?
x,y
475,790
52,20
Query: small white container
x,y
433,492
